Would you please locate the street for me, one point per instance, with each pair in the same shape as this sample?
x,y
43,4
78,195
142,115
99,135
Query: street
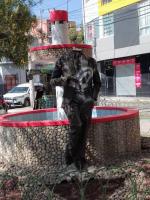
x,y
19,109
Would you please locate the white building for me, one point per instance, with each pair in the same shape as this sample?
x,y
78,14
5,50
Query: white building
x,y
120,33
10,75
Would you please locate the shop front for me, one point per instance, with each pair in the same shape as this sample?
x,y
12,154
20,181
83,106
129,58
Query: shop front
x,y
126,76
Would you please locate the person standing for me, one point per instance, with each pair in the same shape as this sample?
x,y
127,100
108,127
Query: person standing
x,y
79,77
38,98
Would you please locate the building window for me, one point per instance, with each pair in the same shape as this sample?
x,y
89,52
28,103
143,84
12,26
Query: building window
x,y
10,82
144,18
96,28
92,31
106,25
105,1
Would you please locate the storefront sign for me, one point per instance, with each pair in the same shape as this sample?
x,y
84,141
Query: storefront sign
x,y
108,6
123,61
89,33
138,75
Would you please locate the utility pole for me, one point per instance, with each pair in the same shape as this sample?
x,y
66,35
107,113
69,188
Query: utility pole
x,y
32,92
67,5
41,17
84,25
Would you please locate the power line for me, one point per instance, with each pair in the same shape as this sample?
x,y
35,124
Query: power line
x,y
118,20
123,19
57,6
129,11
75,12
90,6
125,15
117,16
109,22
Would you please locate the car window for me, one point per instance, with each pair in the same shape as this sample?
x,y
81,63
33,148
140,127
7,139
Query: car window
x,y
19,90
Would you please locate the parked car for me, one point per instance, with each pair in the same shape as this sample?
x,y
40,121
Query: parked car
x,y
3,106
20,95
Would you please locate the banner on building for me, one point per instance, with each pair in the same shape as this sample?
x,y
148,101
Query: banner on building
x,y
138,75
90,33
126,61
107,6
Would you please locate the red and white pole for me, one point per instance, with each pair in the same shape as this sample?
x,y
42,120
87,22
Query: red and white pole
x,y
59,26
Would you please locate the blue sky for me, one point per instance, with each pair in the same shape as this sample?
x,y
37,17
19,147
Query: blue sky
x,y
74,9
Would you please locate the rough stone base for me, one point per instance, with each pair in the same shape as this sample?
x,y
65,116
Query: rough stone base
x,y
45,146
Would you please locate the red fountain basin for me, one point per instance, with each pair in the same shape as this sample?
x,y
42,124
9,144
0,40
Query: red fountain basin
x,y
38,138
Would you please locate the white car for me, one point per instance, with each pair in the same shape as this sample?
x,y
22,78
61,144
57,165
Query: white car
x,y
20,95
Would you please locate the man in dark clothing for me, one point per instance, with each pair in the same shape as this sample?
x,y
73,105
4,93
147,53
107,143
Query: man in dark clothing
x,y
38,98
80,79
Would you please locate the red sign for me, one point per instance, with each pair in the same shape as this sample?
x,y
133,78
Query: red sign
x,y
123,61
138,75
90,33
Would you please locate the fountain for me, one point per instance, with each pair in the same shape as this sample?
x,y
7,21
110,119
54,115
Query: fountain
x,y
38,138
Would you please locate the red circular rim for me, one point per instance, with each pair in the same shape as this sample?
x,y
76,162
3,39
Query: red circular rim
x,y
5,122
60,46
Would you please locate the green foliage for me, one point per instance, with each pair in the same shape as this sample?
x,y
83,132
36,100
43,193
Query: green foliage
x,y
72,35
16,21
80,36
76,36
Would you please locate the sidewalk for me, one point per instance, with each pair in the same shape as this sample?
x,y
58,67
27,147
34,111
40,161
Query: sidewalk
x,y
141,103
134,102
19,109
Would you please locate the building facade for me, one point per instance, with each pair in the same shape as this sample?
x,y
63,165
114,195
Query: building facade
x,y
41,32
120,34
10,75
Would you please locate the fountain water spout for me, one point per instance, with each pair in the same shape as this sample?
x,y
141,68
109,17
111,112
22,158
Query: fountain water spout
x,y
59,98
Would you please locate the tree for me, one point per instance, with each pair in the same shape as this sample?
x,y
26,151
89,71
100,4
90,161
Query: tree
x,y
80,36
73,35
76,36
16,21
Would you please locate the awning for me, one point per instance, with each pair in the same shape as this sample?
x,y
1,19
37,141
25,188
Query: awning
x,y
125,61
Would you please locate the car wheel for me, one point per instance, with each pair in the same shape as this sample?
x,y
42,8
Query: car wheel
x,y
26,102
